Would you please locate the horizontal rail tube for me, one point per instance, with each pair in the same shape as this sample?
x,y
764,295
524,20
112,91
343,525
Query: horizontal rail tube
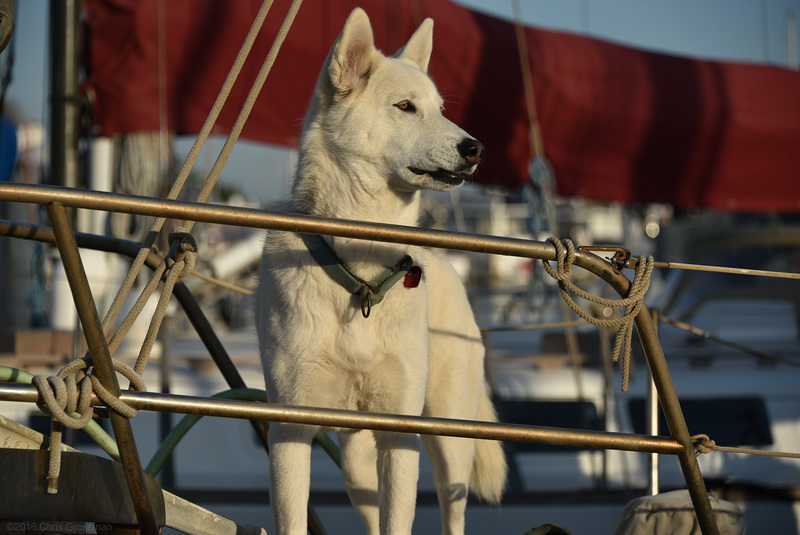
x,y
249,410
250,217
253,218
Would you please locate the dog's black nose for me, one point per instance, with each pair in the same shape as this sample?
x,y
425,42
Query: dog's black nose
x,y
471,150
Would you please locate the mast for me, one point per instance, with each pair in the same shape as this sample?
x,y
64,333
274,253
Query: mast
x,y
65,104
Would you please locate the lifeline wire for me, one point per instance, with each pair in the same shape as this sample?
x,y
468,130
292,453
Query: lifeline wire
x,y
729,270
565,255
705,445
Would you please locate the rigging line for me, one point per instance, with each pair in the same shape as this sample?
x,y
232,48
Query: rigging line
x,y
223,284
255,89
163,112
222,97
707,335
721,269
535,326
534,129
536,145
194,152
705,445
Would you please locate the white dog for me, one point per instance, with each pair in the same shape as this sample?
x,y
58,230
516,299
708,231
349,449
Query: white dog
x,y
374,136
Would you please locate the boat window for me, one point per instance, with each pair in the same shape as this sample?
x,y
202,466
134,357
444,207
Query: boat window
x,y
566,414
727,421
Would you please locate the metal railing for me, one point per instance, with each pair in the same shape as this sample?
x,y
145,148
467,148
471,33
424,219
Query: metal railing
x,y
58,198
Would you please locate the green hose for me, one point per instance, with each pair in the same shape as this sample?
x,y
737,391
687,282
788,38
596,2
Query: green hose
x,y
93,429
186,423
98,434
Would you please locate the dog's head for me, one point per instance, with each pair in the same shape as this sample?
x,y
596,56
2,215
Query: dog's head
x,y
386,111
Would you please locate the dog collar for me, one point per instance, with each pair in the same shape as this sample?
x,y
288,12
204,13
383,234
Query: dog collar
x,y
370,293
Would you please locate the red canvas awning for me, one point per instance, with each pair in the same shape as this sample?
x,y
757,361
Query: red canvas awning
x,y
618,123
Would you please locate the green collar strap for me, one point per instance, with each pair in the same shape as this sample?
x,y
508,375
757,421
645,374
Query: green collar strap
x,y
370,293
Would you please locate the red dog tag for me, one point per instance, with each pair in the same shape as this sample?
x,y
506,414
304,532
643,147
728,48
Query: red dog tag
x,y
411,279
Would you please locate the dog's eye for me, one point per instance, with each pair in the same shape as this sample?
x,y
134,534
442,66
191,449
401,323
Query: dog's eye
x,y
406,105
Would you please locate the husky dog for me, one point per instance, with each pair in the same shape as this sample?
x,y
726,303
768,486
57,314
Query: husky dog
x,y
374,136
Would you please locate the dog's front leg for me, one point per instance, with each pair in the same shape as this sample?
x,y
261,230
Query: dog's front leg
x,y
398,471
451,458
359,464
290,476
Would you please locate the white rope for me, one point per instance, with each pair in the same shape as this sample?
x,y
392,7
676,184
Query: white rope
x,y
194,152
181,265
211,180
222,284
247,107
728,270
633,302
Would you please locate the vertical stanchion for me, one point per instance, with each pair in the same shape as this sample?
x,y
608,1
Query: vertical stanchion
x,y
665,389
651,423
677,424
101,360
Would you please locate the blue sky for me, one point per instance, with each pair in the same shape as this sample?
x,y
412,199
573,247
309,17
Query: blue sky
x,y
753,31
731,30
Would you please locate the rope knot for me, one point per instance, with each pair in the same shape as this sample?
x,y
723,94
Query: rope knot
x,y
185,250
67,396
565,256
704,444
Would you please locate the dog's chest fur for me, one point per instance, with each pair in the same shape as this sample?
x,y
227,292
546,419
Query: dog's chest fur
x,y
340,359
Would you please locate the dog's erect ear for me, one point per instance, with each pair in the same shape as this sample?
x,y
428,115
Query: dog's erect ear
x,y
419,47
353,53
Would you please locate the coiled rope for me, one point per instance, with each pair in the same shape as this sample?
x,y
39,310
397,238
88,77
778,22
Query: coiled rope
x,y
633,302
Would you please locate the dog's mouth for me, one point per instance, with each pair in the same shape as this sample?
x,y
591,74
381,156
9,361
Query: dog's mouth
x,y
441,175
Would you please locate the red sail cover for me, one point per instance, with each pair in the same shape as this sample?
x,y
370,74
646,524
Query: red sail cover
x,y
619,124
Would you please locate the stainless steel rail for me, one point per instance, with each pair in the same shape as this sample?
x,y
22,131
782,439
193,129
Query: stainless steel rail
x,y
273,412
